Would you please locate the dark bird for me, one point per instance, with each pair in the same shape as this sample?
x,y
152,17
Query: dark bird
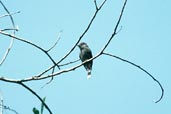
x,y
85,54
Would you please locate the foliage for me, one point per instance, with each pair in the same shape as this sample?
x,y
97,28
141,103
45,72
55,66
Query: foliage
x,y
36,111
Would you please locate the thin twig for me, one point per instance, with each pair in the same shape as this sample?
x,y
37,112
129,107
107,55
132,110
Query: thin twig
x,y
116,27
9,29
45,71
119,30
8,14
102,4
53,70
12,39
7,52
8,108
59,37
95,3
5,15
139,67
69,63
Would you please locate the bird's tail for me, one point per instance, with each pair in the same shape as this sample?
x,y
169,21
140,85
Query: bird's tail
x,y
89,74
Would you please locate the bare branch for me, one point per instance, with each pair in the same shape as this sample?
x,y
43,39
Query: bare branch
x,y
124,60
116,27
12,40
95,3
5,15
30,43
16,29
7,51
112,36
59,37
45,71
53,70
8,14
119,30
69,63
47,76
8,108
102,4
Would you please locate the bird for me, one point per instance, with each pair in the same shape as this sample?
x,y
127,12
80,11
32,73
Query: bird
x,y
85,54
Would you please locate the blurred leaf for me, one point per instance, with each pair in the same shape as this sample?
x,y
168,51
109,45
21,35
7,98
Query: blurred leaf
x,y
42,105
35,111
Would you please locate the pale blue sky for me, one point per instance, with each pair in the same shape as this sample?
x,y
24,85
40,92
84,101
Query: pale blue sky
x,y
116,87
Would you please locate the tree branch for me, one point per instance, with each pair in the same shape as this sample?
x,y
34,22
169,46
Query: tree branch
x,y
95,3
116,27
8,108
5,15
59,37
139,67
7,29
30,43
11,18
7,52
69,63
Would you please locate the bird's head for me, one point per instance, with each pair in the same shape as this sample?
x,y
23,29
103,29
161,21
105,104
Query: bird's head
x,y
82,45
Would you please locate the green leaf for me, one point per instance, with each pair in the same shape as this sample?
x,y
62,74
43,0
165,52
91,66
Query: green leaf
x,y
42,105
35,111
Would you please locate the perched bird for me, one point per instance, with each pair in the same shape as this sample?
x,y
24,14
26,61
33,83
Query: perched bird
x,y
85,54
